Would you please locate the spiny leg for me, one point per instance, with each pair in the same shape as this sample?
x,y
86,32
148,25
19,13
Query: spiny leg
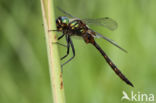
x,y
59,44
73,50
59,39
68,47
54,30
61,36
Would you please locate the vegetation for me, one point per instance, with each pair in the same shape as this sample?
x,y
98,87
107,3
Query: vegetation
x,y
24,73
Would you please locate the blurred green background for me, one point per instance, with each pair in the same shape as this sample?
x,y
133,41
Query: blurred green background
x,y
24,75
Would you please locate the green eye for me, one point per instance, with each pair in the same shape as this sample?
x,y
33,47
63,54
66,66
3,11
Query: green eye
x,y
65,20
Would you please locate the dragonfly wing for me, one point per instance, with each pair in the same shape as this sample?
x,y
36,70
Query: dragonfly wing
x,y
66,13
98,35
105,22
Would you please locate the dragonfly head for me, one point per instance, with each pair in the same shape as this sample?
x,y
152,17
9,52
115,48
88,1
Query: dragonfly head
x,y
62,22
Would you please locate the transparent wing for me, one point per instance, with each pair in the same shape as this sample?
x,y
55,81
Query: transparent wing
x,y
110,41
105,22
66,13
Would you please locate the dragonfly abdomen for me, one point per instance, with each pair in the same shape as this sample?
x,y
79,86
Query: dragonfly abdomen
x,y
112,65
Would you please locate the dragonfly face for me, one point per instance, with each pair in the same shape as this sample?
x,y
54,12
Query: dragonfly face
x,y
62,23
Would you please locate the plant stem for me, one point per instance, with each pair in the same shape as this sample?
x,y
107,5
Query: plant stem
x,y
53,55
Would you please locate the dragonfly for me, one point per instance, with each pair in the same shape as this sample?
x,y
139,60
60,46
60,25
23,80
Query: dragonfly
x,y
72,26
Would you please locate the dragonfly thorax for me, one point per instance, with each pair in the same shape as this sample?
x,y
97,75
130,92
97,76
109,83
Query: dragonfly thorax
x,y
78,27
71,26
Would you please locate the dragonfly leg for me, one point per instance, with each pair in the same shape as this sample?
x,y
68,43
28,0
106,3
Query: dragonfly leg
x,y
53,30
68,47
59,39
60,44
61,36
73,50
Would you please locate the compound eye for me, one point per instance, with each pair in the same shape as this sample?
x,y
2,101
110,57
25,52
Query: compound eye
x,y
65,20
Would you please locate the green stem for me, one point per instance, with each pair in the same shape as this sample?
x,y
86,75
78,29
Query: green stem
x,y
52,49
